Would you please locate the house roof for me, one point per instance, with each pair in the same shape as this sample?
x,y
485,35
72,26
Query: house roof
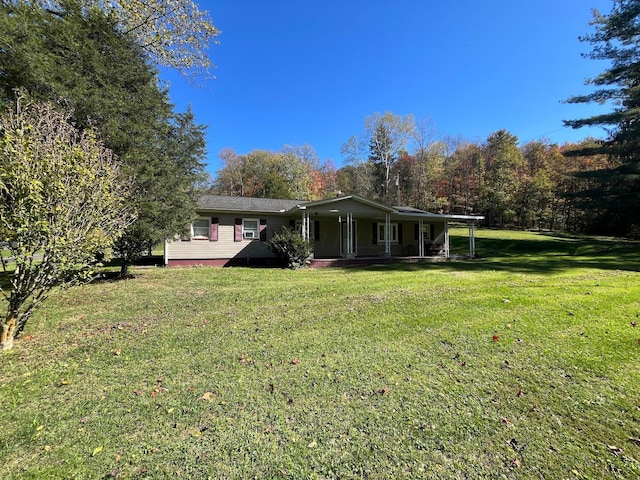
x,y
357,198
223,203
246,204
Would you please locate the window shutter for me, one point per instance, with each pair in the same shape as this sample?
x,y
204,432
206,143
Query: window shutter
x,y
237,230
263,229
433,231
213,233
375,233
400,233
416,231
316,230
292,225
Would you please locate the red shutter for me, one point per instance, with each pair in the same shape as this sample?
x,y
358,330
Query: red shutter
x,y
213,234
237,230
263,229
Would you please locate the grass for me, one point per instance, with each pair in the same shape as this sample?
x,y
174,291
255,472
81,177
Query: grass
x,y
520,364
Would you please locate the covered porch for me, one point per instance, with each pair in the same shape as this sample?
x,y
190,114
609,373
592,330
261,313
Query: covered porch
x,y
353,230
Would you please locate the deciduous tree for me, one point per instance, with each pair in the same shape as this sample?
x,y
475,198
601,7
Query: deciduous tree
x,y
174,33
384,139
62,200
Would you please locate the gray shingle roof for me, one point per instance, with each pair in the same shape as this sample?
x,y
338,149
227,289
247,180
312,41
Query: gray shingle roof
x,y
246,204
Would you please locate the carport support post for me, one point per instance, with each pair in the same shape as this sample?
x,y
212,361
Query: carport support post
x,y
387,231
446,239
472,240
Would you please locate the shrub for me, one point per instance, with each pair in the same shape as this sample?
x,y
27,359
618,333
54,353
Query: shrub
x,y
289,246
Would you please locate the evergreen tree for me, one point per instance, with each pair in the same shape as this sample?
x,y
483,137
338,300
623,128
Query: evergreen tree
x,y
616,39
76,56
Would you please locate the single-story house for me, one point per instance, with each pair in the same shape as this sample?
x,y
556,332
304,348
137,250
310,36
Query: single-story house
x,y
346,229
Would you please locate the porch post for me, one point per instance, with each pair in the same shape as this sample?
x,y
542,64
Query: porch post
x,y
446,239
387,231
421,238
350,252
472,240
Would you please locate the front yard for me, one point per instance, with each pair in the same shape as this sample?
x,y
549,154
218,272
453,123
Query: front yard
x,y
523,363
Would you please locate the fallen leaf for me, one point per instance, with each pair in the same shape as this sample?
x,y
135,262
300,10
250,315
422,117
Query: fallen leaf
x,y
153,393
505,420
613,449
138,392
634,440
383,391
313,444
116,352
516,463
118,457
506,300
495,338
207,396
96,451
633,324
295,361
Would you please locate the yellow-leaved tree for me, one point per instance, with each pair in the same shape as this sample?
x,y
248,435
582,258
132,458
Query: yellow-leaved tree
x,y
63,200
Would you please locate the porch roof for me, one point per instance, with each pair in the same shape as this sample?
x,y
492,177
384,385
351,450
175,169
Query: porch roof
x,y
330,207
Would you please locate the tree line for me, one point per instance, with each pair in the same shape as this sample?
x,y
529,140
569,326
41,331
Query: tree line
x,y
539,185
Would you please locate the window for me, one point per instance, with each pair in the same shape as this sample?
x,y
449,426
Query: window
x,y
427,230
200,229
393,233
250,228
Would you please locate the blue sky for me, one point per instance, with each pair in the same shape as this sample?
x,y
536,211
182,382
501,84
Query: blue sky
x,y
295,72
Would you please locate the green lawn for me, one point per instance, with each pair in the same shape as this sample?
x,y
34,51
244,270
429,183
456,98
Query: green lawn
x,y
523,363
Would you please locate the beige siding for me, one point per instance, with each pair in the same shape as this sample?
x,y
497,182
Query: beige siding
x,y
226,247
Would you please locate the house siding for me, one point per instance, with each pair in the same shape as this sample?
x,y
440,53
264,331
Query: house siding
x,y
226,247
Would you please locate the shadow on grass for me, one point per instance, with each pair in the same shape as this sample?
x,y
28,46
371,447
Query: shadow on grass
x,y
543,254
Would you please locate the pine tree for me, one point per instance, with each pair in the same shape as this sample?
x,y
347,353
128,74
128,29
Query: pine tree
x,y
617,39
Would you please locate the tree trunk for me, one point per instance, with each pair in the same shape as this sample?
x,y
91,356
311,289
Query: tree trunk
x,y
124,268
7,332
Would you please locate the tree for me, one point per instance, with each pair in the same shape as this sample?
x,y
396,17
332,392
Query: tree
x,y
383,141
174,33
616,39
165,187
62,200
264,174
78,56
504,162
